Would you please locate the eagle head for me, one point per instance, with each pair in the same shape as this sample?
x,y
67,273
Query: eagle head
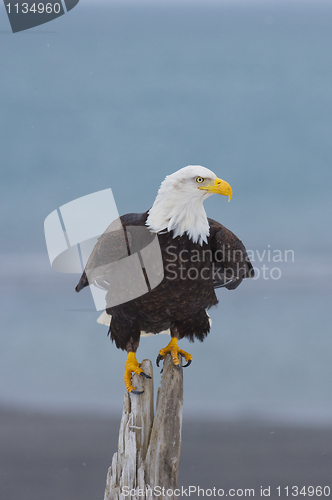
x,y
178,206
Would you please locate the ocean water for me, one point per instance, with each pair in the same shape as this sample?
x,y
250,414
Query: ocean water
x,y
120,96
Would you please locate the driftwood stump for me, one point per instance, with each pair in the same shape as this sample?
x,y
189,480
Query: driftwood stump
x,y
147,461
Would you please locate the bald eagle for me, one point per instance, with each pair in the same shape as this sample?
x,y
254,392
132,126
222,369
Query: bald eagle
x,y
198,255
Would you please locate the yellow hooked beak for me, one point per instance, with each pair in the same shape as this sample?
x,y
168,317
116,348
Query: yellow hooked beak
x,y
219,187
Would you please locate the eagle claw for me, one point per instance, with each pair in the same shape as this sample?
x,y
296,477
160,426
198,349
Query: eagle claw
x,y
136,392
189,363
132,365
174,351
159,358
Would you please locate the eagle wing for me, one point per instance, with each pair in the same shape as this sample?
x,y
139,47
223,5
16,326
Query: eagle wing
x,y
113,245
231,263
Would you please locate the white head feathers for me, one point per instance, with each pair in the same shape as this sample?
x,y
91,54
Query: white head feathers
x,y
178,206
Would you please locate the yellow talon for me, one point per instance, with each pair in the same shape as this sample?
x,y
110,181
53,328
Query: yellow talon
x,y
174,350
132,365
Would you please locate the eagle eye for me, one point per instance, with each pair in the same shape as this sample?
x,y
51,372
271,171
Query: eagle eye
x,y
199,180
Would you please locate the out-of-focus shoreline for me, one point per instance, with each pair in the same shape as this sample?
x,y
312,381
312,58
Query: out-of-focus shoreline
x,y
67,456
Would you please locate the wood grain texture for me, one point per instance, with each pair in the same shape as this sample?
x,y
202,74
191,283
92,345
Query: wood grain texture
x,y
149,445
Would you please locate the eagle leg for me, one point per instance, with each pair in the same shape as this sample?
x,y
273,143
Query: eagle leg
x,y
174,350
132,365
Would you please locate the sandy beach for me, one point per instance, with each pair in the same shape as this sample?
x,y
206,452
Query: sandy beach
x,y
52,457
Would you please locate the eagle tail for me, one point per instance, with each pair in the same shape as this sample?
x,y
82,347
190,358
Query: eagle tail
x,y
104,319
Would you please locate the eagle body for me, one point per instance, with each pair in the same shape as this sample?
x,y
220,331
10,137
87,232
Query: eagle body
x,y
198,255
178,303
192,271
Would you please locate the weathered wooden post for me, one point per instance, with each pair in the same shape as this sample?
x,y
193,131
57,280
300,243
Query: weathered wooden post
x,y
149,445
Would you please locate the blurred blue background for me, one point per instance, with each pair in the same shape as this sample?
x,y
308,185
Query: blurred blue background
x,y
119,96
